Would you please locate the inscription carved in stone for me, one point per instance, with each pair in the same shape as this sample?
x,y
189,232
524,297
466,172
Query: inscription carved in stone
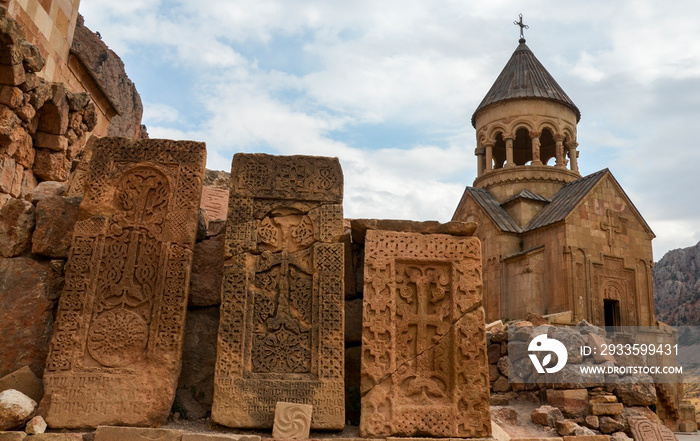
x,y
115,352
281,332
424,362
645,430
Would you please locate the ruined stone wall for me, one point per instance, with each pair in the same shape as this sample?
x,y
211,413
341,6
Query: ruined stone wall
x,y
49,25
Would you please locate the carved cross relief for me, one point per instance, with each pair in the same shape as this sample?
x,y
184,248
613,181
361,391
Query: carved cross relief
x,y
610,227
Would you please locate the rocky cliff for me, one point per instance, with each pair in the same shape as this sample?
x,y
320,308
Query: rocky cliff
x,y
108,68
677,287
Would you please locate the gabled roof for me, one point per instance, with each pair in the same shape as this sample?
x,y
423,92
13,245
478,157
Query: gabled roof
x,y
525,77
526,194
565,201
494,209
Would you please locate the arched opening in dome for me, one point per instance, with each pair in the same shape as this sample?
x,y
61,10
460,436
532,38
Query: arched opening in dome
x,y
548,147
499,152
522,147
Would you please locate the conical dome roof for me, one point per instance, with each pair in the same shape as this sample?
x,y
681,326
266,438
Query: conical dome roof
x,y
525,77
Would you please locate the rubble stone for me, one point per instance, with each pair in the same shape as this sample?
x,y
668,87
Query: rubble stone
x,y
15,409
606,408
572,402
636,393
546,416
51,166
566,427
610,425
36,425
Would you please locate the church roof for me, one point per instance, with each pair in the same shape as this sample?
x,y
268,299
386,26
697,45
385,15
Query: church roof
x,y
526,194
565,201
525,77
494,209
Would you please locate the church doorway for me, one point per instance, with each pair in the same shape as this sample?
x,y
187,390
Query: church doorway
x,y
612,314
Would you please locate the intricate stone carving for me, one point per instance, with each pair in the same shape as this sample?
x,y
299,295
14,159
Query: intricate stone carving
x,y
281,330
292,421
424,363
115,353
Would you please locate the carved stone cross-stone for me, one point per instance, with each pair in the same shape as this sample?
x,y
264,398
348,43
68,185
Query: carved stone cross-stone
x,y
281,331
115,352
424,363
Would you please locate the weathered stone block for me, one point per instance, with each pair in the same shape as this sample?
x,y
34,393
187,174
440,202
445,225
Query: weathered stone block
x,y
207,272
50,141
51,166
566,427
595,342
57,437
353,321
11,96
12,436
29,183
24,381
281,331
546,416
46,189
610,425
7,173
12,75
218,437
115,353
15,409
25,314
587,438
636,393
55,219
111,433
423,330
606,408
572,402
23,149
16,225
199,354
292,421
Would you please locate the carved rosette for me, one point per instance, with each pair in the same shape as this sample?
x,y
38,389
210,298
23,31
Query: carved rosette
x,y
424,364
281,329
114,356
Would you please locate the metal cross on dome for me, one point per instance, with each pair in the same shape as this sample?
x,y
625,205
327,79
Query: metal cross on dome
x,y
522,26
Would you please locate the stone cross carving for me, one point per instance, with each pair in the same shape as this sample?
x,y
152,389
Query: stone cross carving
x,y
114,357
522,26
610,227
424,364
281,331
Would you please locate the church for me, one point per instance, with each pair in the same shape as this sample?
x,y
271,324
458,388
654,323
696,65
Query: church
x,y
554,243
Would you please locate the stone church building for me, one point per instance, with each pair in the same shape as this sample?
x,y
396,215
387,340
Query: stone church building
x,y
553,241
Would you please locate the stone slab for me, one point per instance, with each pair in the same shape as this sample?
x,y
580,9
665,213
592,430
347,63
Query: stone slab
x,y
359,227
587,438
12,436
115,353
57,437
110,433
215,201
281,329
644,430
292,421
424,361
24,381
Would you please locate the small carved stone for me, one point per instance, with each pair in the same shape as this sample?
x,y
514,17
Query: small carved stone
x,y
644,430
292,421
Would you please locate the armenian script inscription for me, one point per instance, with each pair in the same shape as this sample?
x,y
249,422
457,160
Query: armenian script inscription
x,y
115,352
424,363
281,331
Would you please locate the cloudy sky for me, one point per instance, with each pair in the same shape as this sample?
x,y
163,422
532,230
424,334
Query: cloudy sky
x,y
389,87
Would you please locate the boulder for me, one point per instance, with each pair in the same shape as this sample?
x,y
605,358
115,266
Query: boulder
x,y
15,409
501,384
636,393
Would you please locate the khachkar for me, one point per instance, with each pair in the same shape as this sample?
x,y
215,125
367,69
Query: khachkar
x,y
281,330
424,364
116,349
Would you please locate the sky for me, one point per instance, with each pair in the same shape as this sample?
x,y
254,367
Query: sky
x,y
389,87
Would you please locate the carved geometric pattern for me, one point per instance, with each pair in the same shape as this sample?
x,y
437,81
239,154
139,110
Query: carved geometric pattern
x,y
281,329
114,356
424,364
